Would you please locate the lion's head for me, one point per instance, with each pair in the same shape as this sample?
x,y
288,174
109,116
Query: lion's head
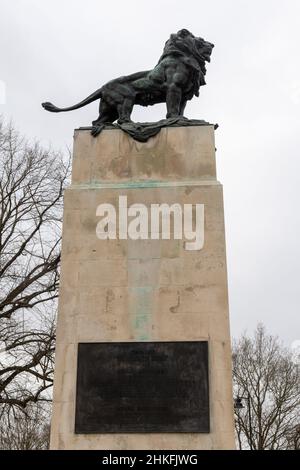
x,y
184,42
204,48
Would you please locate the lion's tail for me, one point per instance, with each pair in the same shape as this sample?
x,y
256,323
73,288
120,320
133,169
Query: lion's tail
x,y
54,109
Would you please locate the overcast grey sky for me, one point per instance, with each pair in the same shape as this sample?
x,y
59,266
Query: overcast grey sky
x,y
63,50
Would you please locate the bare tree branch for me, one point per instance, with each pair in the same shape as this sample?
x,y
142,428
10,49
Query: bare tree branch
x,y
31,191
264,374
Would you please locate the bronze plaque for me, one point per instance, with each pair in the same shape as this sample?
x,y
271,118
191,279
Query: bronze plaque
x,y
138,387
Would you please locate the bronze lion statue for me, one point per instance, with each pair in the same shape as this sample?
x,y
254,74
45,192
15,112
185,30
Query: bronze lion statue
x,y
174,80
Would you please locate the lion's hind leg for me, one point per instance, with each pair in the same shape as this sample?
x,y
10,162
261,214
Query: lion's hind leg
x,y
107,114
125,109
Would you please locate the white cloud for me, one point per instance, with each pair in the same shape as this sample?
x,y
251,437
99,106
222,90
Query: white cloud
x,y
2,92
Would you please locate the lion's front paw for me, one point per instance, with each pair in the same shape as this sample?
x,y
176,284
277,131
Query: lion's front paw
x,y
172,116
124,121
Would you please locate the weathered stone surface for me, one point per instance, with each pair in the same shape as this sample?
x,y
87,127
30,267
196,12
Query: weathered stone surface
x,y
174,154
143,290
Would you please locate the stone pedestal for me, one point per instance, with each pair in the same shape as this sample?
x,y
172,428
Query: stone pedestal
x,y
143,290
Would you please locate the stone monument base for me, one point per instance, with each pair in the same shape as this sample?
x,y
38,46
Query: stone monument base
x,y
141,291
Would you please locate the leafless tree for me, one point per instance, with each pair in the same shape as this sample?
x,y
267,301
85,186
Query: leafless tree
x,y
293,438
267,382
32,181
26,429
